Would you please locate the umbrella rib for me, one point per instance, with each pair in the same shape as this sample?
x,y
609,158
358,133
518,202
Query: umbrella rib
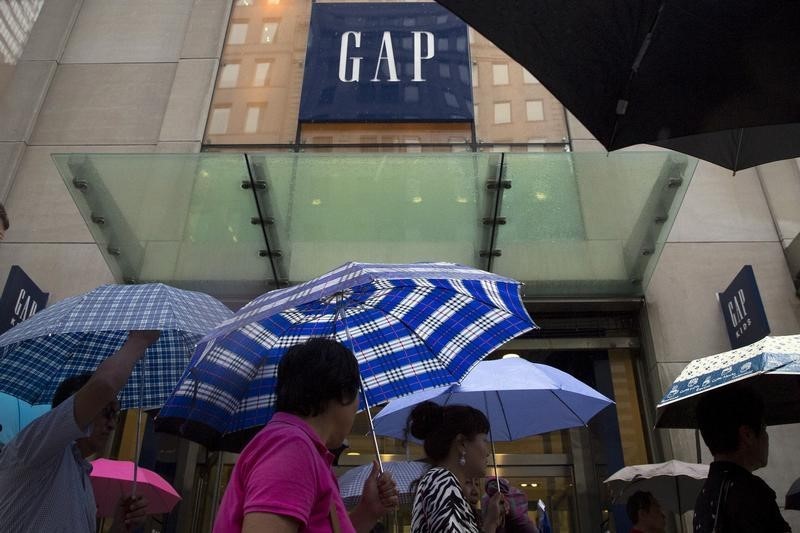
x,y
503,409
568,407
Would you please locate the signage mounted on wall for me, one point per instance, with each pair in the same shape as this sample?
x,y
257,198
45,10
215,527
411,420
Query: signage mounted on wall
x,y
21,299
745,318
404,62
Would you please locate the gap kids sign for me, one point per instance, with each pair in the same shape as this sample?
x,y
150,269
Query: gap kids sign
x,y
743,311
404,62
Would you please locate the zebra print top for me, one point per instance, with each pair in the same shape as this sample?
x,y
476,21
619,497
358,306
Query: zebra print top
x,y
440,506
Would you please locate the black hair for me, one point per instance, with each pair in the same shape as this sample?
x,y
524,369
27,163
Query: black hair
x,y
639,501
313,373
68,387
722,412
438,426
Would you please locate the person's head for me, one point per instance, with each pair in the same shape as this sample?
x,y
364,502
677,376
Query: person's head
x,y
472,490
453,433
731,421
4,224
103,424
645,512
320,378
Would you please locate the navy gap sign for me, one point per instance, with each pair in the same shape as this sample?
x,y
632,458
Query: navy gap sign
x,y
393,62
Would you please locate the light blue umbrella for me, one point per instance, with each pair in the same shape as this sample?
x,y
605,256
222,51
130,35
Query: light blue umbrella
x,y
771,366
75,335
518,397
16,414
411,326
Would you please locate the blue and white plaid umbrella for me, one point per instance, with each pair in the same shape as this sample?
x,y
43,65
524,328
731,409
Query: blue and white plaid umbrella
x,y
76,334
405,474
412,327
771,366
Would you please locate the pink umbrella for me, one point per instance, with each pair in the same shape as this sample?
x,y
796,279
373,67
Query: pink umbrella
x,y
111,480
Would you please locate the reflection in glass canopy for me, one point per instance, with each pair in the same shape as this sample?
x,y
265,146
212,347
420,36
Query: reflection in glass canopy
x,y
236,225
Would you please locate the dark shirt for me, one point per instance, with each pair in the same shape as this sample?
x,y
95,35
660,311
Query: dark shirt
x,y
747,503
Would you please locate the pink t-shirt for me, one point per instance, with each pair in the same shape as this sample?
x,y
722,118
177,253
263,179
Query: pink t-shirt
x,y
284,470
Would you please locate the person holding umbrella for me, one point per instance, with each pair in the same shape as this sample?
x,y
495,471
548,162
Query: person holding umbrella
x,y
731,421
283,481
44,475
456,442
644,512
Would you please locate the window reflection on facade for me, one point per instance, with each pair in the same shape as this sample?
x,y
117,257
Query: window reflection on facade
x,y
257,97
17,18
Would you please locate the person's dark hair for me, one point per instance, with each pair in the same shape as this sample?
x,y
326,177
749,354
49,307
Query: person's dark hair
x,y
4,217
639,501
68,387
721,413
312,374
438,426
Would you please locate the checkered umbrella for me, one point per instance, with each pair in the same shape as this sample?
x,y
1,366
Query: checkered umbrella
x,y
406,474
412,327
771,366
76,334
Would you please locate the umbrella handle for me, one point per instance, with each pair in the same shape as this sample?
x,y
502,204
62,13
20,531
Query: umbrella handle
x,y
343,312
137,449
371,424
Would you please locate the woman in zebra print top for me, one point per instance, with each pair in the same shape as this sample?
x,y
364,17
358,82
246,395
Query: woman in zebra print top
x,y
455,439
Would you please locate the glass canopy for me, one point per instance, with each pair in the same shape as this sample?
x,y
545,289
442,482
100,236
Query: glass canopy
x,y
236,225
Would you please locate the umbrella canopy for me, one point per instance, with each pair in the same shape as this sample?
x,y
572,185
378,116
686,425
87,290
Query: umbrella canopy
x,y
112,480
771,366
520,399
793,496
76,334
405,475
717,80
411,327
675,484
15,415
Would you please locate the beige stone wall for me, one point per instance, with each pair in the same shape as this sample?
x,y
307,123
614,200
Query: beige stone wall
x,y
725,222
97,76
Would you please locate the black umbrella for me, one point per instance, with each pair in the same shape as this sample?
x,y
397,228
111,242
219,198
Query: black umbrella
x,y
717,80
793,496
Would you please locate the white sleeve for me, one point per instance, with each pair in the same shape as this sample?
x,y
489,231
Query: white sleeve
x,y
45,438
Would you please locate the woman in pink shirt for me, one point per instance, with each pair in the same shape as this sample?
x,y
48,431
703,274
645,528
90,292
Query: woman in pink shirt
x,y
283,481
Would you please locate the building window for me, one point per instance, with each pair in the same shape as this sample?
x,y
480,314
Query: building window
x,y
268,32
502,112
251,119
229,76
413,145
536,145
458,144
474,75
534,110
262,71
527,77
500,74
238,33
219,120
